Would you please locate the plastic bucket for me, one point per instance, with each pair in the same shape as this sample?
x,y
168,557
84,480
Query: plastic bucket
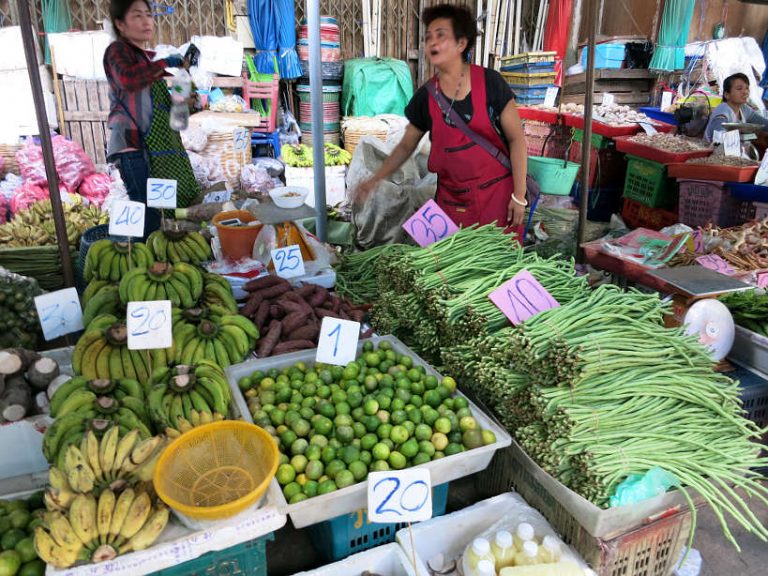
x,y
554,176
236,241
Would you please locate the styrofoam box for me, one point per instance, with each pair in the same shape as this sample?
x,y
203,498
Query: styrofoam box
x,y
80,54
335,183
320,508
750,349
386,560
12,49
448,536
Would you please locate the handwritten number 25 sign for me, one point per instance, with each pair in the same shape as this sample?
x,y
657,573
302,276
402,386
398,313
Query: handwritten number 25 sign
x,y
522,297
429,224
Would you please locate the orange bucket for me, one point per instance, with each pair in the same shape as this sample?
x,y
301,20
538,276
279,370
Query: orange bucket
x,y
236,241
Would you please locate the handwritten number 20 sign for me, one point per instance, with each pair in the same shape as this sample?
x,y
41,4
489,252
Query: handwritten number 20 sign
x,y
429,224
522,297
400,496
149,325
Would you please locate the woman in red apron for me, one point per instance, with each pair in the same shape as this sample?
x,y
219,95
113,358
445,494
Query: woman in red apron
x,y
473,185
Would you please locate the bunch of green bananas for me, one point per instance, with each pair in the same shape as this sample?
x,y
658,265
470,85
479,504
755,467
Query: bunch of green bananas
x,y
79,391
108,260
99,529
34,226
218,292
178,393
179,246
105,300
181,283
102,353
336,156
297,155
93,287
216,335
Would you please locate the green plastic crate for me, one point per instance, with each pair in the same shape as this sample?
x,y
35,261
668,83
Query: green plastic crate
x,y
598,141
246,559
646,182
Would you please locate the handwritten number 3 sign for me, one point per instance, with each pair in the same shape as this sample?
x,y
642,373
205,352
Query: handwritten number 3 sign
x,y
149,325
429,224
400,496
522,297
161,193
59,313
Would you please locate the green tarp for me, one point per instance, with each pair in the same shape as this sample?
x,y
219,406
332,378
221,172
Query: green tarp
x,y
376,86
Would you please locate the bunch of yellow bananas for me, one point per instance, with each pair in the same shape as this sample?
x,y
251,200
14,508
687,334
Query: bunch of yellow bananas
x,y
179,246
108,260
34,226
99,529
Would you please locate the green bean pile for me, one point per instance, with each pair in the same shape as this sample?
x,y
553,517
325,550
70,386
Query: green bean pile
x,y
356,278
749,309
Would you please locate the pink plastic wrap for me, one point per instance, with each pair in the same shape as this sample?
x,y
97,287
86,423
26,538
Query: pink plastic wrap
x,y
72,163
95,187
26,195
4,205
31,166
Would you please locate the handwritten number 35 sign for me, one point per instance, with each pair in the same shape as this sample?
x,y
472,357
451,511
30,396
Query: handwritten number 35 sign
x,y
429,224
522,297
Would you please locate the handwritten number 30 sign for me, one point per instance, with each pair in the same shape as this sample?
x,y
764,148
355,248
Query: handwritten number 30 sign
x,y
59,313
522,297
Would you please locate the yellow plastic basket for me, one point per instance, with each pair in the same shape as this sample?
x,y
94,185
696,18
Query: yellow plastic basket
x,y
217,470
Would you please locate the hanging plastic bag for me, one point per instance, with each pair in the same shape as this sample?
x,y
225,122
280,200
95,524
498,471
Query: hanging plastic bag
x,y
290,133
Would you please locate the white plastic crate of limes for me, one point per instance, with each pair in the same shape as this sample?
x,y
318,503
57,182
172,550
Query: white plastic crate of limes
x,y
387,410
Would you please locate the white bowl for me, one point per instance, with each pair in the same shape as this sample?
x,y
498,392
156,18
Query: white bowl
x,y
289,196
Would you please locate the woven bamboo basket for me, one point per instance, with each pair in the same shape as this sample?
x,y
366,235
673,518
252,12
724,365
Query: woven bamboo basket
x,y
352,132
8,153
221,146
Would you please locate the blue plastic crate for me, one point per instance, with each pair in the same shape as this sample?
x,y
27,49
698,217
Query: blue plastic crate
x,y
351,533
748,192
657,114
531,67
609,55
246,559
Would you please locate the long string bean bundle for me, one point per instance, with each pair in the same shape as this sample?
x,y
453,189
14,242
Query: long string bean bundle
x,y
749,309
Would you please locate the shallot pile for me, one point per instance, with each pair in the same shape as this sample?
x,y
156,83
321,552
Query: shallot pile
x,y
669,142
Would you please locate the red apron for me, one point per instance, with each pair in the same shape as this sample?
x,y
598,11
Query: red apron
x,y
472,186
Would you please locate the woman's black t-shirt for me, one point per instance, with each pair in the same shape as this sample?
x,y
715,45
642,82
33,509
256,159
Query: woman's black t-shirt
x,y
497,92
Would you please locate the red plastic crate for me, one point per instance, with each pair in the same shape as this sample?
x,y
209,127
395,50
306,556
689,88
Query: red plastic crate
x,y
624,144
547,116
607,166
553,144
537,128
705,202
713,172
638,215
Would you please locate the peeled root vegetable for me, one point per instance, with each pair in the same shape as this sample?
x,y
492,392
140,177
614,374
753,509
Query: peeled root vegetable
x,y
42,372
16,401
16,360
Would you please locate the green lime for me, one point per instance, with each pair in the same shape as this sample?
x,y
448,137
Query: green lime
x,y
299,446
384,431
385,345
417,401
443,425
285,475
403,394
299,463
449,383
333,468
291,489
360,429
368,346
329,454
301,427
472,439
397,404
313,453
455,437
358,414
388,443
443,391
415,415
351,371
371,383
397,461
371,407
11,538
432,398
306,408
310,488
319,441
245,383
467,423
283,459
323,391
426,447
33,568
448,403
343,420
430,415
384,401
460,402
368,441
463,412
344,478
406,361
372,359
430,382
421,458
380,451
423,432
300,497
439,454
349,454
359,471
345,434
314,469
371,423
410,448
410,426
439,441
338,396
488,437
452,449
366,457
288,437
398,417
277,417
399,434
380,466
354,399
343,408
308,389
323,425
10,562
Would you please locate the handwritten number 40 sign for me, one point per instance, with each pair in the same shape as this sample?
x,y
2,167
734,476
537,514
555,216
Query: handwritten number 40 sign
x,y
522,297
126,218
400,496
429,224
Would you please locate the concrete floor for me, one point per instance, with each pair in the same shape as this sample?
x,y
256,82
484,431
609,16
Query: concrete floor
x,y
292,550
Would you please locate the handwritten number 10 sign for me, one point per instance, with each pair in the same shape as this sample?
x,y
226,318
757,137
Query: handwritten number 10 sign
x,y
429,224
522,297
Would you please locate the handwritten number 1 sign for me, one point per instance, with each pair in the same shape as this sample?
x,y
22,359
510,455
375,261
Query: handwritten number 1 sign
x,y
126,218
522,297
400,496
59,313
338,341
429,224
149,325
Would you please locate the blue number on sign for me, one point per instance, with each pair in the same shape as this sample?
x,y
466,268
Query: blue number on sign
x,y
430,219
285,257
130,215
123,218
427,230
380,508
50,316
143,313
336,331
424,500
160,191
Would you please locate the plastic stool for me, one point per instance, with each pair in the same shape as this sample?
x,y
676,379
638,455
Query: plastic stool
x,y
271,139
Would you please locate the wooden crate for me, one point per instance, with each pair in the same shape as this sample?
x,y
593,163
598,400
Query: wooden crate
x,y
86,109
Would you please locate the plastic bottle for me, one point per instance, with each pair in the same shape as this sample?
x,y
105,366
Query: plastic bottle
x,y
549,551
565,568
181,87
529,556
484,568
523,534
503,549
479,550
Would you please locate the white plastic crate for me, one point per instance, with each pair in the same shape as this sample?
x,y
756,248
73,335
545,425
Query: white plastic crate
x,y
320,508
386,560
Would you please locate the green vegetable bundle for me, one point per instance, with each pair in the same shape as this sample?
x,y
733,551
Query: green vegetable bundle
x,y
18,315
749,309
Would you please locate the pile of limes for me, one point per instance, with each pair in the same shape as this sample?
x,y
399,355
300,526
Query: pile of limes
x,y
336,424
18,519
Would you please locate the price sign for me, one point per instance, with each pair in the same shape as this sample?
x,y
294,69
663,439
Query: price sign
x,y
608,99
241,140
219,196
648,127
717,136
400,496
149,325
126,218
762,279
429,224
161,193
522,297
550,97
732,143
762,173
716,263
666,100
59,313
338,341
288,261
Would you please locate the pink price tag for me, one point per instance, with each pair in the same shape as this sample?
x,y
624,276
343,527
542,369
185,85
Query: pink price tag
x,y
429,224
522,297
698,241
762,279
716,263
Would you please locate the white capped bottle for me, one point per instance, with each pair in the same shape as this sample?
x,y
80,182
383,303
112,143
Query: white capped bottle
x,y
549,551
480,549
503,549
524,533
484,568
529,556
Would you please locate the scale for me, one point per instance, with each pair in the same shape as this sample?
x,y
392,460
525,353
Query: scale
x,y
694,290
748,134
